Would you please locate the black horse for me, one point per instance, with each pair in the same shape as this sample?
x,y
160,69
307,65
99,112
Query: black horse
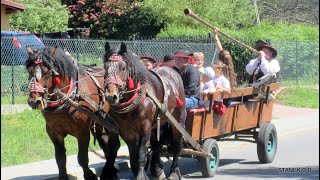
x,y
129,88
51,68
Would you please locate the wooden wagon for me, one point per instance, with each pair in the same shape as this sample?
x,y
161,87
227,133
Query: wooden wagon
x,y
245,118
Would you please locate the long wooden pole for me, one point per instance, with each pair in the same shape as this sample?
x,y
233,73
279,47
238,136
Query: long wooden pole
x,y
191,14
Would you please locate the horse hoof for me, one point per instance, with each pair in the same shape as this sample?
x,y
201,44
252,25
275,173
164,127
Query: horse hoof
x,y
90,176
161,176
174,176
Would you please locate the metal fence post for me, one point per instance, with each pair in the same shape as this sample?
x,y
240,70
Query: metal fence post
x,y
12,83
297,62
12,72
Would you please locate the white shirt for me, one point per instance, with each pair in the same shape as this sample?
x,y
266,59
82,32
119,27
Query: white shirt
x,y
266,66
205,86
223,82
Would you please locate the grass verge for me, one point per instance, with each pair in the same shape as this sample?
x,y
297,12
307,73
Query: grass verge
x,y
24,139
299,96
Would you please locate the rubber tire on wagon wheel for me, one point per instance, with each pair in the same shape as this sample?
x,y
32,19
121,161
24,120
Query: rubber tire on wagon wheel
x,y
208,165
267,143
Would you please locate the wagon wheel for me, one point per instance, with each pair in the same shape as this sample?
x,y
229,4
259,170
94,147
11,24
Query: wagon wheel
x,y
267,143
209,165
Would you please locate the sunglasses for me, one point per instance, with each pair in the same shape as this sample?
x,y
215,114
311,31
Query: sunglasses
x,y
220,68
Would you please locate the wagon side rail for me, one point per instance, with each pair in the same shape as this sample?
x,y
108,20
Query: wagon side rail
x,y
241,92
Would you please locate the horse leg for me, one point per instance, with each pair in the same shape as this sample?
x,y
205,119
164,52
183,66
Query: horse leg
x,y
156,168
176,144
138,156
60,152
83,159
110,150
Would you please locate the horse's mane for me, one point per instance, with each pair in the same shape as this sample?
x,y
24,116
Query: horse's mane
x,y
60,60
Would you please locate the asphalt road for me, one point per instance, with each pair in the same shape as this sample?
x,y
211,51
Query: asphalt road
x,y
297,154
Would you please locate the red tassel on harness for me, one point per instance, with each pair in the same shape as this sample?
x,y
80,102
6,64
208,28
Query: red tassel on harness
x,y
178,102
130,84
56,80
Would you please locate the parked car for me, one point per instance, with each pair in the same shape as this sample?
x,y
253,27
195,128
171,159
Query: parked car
x,y
13,47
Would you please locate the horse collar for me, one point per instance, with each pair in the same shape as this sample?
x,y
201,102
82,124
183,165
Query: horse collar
x,y
54,104
133,102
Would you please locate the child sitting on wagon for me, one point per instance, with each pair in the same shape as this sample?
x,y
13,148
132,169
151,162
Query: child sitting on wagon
x,y
222,84
207,86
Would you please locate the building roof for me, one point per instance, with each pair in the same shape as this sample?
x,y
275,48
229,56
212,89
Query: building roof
x,y
12,6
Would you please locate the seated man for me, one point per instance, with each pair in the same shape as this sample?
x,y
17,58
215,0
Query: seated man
x,y
148,61
264,67
190,76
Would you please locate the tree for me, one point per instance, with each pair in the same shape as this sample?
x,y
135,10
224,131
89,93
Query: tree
x,y
116,19
224,14
41,16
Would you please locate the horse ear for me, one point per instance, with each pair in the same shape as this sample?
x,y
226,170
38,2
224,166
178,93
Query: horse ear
x,y
107,46
29,50
123,48
52,51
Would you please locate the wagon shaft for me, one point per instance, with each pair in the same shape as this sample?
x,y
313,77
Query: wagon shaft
x,y
104,121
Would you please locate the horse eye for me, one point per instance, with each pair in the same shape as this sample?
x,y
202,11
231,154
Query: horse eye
x,y
123,68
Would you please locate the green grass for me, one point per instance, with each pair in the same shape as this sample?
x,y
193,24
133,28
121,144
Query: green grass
x,y
24,139
18,99
306,96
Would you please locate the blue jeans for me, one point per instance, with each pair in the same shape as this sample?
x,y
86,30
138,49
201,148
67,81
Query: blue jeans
x,y
192,103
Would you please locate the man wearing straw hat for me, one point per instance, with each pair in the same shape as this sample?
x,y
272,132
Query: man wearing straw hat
x,y
263,69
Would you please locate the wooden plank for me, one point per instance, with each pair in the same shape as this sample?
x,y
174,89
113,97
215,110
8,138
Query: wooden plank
x,y
243,92
266,113
247,115
216,125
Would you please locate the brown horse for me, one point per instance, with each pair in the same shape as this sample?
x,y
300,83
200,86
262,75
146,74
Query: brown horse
x,y
128,85
51,68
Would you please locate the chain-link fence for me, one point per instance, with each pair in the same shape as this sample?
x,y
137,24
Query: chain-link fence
x,y
298,61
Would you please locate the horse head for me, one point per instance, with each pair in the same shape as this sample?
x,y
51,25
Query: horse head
x,y
48,68
123,72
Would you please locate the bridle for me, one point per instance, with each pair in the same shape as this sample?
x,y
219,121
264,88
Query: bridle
x,y
124,86
113,78
36,87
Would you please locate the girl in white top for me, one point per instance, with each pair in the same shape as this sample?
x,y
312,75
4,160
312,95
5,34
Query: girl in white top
x,y
221,82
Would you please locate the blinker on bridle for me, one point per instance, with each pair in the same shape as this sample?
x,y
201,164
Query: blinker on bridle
x,y
34,85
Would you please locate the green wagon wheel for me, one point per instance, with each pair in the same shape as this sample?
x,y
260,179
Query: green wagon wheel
x,y
209,165
267,143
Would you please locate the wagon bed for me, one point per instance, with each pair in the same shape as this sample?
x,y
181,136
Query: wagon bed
x,y
240,116
245,118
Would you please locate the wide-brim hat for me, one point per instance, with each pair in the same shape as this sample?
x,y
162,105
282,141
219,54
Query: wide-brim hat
x,y
148,58
262,45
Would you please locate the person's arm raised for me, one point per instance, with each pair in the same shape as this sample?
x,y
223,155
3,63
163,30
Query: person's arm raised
x,y
217,41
